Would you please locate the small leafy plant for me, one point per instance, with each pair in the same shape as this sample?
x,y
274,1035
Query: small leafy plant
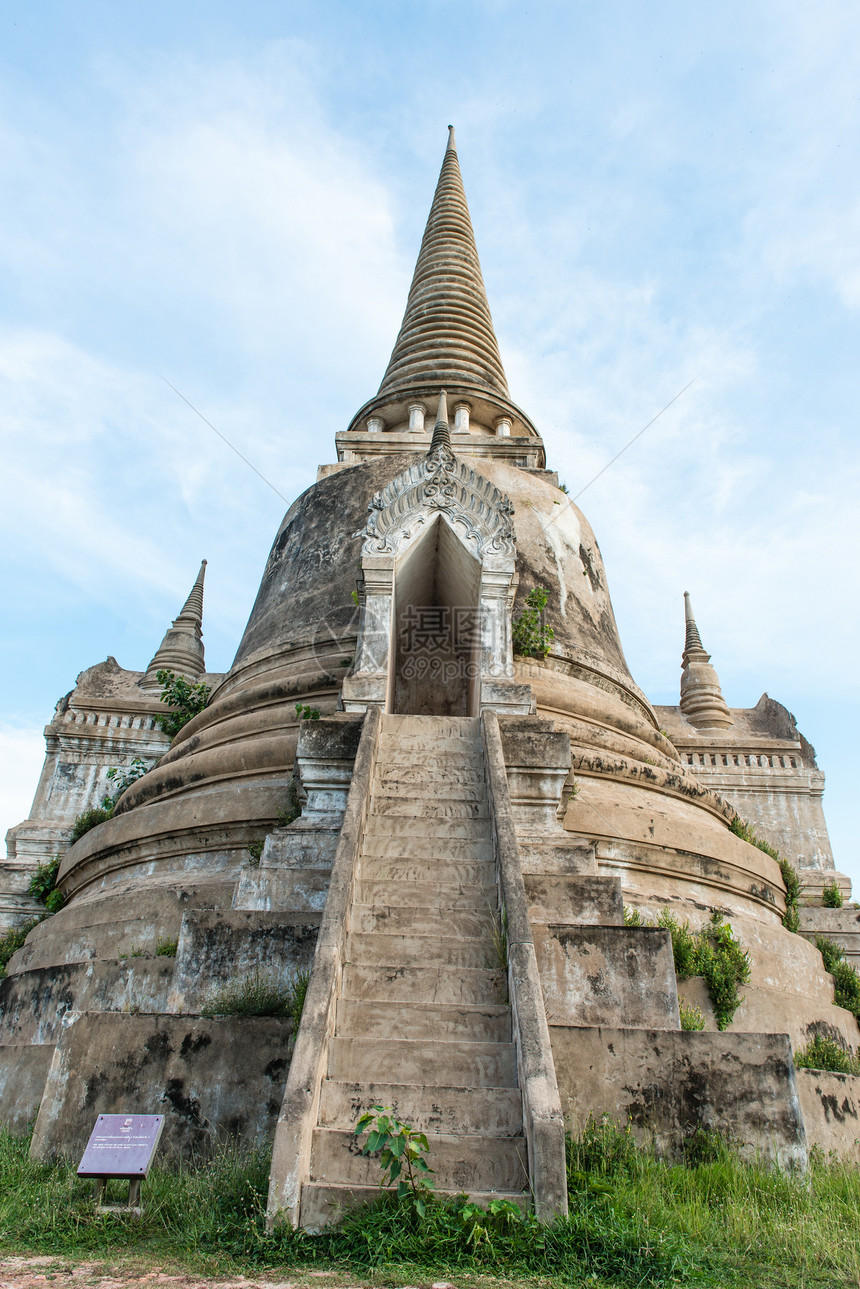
x,y
43,885
306,713
122,779
401,1151
88,819
289,813
165,948
531,636
714,953
790,878
692,1017
184,698
13,940
255,852
831,896
845,978
823,1053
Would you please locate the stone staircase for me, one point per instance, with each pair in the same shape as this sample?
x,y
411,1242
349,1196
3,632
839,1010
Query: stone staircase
x,y
422,1020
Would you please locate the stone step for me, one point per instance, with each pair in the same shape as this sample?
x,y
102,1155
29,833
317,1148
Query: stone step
x,y
428,1021
406,919
441,765
465,726
322,1204
423,894
427,984
448,1063
439,788
456,779
425,807
422,847
410,827
489,1112
376,868
459,1163
375,949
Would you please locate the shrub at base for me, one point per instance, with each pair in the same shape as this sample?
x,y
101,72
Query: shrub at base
x,y
823,1053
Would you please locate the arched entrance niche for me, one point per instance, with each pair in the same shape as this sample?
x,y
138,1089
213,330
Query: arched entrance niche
x,y
436,646
439,535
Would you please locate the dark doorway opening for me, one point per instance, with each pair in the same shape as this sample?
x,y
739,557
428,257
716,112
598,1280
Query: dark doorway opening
x,y
436,629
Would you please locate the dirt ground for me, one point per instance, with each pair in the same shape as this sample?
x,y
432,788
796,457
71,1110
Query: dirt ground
x,y
60,1273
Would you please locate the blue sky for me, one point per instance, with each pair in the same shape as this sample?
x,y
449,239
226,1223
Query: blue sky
x,y
231,196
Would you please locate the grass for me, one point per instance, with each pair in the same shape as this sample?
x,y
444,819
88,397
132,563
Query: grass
x,y
635,1221
260,994
823,1053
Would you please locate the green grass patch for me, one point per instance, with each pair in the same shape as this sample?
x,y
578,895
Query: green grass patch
x,y
846,981
634,1221
260,994
823,1053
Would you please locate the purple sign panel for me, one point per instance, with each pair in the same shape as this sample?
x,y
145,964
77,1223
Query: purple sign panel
x,y
121,1145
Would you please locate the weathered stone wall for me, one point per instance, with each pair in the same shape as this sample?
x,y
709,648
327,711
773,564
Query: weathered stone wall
x,y
216,1081
669,1083
831,1112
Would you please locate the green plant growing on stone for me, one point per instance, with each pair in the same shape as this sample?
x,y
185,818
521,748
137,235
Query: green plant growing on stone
x,y
165,948
499,937
289,813
530,635
183,697
692,1017
306,713
846,981
823,1053
401,1149
255,852
633,917
562,487
258,994
715,954
13,940
122,779
43,885
790,878
88,819
298,994
831,896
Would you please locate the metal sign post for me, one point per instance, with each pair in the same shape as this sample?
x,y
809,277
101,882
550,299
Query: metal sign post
x,y
121,1146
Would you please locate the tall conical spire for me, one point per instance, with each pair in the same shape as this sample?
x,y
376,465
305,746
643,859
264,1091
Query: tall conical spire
x,y
181,650
446,337
702,699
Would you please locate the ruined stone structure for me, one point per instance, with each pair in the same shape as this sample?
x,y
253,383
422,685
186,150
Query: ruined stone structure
x,y
449,788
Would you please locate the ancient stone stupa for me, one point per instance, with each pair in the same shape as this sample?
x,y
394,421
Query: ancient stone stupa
x,y
482,788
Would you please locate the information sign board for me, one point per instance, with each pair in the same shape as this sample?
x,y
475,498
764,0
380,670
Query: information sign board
x,y
121,1145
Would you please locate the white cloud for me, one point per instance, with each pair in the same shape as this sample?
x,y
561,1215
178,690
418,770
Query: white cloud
x,y
22,752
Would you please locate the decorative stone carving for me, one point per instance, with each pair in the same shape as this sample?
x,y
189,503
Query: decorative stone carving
x,y
479,513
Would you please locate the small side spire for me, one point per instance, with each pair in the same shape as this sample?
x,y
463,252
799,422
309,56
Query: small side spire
x,y
441,431
693,639
181,650
702,699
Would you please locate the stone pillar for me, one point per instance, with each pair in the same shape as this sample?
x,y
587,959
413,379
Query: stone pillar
x,y
417,412
462,412
502,426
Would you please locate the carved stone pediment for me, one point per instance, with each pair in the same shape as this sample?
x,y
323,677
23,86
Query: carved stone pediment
x,y
478,512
